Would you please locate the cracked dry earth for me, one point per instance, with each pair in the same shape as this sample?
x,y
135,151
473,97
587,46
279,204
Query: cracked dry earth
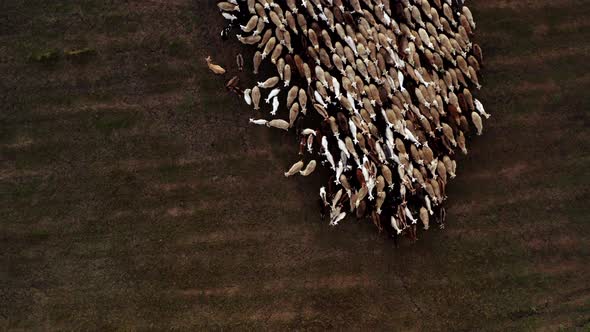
x,y
136,196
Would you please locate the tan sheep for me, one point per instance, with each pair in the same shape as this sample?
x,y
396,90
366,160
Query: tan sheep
x,y
294,169
279,124
216,69
256,97
310,168
477,122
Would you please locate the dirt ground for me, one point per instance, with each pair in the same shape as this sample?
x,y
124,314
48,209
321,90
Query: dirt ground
x,y
135,196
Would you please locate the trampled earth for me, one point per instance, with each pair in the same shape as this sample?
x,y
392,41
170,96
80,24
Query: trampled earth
x,y
135,195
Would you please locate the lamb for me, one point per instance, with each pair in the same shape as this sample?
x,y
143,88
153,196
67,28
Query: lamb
x,y
247,97
273,93
216,69
260,122
275,106
480,109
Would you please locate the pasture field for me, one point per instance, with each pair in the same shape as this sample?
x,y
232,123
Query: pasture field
x,y
135,196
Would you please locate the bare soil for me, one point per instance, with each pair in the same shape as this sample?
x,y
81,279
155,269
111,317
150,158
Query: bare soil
x,y
135,196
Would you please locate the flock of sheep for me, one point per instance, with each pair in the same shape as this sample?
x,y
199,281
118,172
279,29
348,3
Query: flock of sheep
x,y
377,90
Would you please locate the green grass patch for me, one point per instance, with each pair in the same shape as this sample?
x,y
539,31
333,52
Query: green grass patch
x,y
81,55
45,56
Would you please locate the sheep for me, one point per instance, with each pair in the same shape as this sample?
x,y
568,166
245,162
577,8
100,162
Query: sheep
x,y
216,69
477,122
474,78
327,154
302,22
296,168
240,62
232,84
257,61
291,22
279,124
467,13
302,98
307,73
441,170
269,47
251,25
448,133
259,28
287,76
358,63
256,97
477,52
260,12
251,4
480,109
247,97
287,42
464,22
269,83
461,142
449,166
323,196
396,225
469,99
262,41
321,110
309,168
228,7
276,53
424,217
249,40
293,113
428,204
275,106
310,140
276,20
273,93
338,218
380,200
334,126
292,95
260,122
